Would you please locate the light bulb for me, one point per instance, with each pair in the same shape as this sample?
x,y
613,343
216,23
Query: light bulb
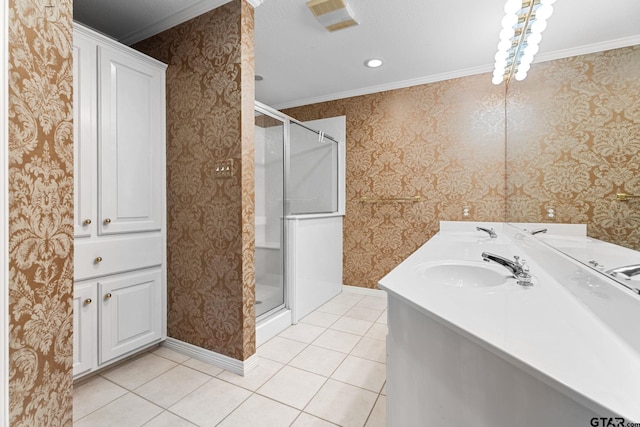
x,y
526,59
501,56
524,67
520,75
512,6
538,26
534,38
509,20
531,50
504,45
547,2
506,33
496,80
544,12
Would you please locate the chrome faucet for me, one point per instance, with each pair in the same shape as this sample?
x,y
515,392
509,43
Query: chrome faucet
x,y
626,272
491,231
518,268
538,230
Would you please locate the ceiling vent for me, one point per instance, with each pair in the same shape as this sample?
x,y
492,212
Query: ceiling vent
x,y
332,14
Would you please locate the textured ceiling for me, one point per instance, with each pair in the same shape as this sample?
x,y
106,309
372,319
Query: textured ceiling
x,y
419,40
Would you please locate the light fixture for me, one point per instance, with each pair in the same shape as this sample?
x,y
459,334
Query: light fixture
x,y
332,14
373,62
258,77
522,25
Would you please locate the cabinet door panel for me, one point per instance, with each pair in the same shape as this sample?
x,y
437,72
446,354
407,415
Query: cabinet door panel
x,y
85,135
131,143
130,312
85,328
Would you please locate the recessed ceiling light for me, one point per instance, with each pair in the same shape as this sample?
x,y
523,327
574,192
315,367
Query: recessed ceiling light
x,y
373,62
259,77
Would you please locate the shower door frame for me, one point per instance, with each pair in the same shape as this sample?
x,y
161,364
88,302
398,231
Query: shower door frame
x,y
275,114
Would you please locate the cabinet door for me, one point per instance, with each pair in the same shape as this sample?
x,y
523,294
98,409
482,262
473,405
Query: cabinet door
x,y
85,328
85,135
130,314
131,142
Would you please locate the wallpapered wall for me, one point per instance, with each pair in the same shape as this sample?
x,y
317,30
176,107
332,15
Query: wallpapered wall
x,y
210,230
573,131
40,213
443,142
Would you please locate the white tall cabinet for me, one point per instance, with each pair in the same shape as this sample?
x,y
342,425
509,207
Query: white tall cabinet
x,y
119,222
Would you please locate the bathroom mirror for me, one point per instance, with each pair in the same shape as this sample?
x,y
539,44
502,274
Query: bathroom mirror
x,y
573,144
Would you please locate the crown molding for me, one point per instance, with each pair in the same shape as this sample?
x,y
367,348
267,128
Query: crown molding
x,y
189,12
387,86
558,54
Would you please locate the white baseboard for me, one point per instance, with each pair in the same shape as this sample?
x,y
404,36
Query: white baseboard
x,y
240,367
272,326
364,291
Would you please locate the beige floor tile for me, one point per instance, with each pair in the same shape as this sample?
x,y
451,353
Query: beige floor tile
x,y
362,313
347,299
306,420
94,394
372,349
378,331
352,326
133,374
318,360
292,386
173,385
361,373
336,340
126,411
383,318
318,318
334,308
204,367
280,349
211,403
302,332
173,355
260,411
342,404
167,419
374,303
256,377
378,416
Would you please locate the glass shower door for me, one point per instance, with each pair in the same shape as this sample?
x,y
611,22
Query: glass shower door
x,y
269,205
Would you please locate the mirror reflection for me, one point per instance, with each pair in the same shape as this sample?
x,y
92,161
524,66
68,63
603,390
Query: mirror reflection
x,y
573,145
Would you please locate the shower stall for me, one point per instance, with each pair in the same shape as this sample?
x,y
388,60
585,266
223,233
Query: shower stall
x,y
299,204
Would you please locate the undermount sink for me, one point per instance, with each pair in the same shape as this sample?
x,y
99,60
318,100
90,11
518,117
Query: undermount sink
x,y
464,274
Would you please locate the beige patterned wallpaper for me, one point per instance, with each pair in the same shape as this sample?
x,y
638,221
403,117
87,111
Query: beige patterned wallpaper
x,y
573,131
40,213
210,230
443,142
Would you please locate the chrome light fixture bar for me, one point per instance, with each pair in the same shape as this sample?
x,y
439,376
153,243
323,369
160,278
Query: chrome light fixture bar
x,y
522,28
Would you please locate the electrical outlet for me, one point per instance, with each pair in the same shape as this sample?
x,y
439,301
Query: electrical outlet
x,y
224,168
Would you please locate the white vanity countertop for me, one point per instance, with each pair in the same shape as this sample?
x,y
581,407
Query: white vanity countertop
x,y
544,329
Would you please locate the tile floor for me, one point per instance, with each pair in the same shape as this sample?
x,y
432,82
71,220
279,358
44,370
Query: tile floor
x,y
327,370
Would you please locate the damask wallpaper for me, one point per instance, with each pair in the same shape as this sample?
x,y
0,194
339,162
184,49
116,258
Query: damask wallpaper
x,y
573,131
443,142
40,213
210,230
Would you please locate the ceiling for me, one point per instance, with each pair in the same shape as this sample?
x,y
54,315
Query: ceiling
x,y
420,41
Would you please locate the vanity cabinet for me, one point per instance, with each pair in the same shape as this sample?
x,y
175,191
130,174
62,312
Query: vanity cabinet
x,y
119,219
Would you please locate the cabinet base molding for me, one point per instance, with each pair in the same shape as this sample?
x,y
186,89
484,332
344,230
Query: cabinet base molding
x,y
240,367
